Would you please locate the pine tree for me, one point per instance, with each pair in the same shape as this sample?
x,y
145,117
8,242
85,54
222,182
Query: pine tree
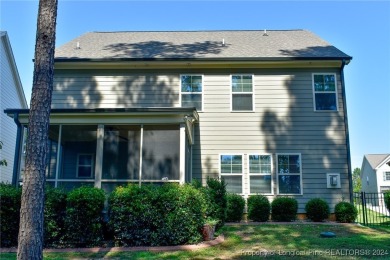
x,y
30,240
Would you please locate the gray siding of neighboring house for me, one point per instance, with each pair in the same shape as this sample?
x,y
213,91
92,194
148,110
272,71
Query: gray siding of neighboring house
x,y
284,120
9,98
369,178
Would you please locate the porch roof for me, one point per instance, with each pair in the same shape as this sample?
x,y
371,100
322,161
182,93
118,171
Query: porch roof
x,y
134,111
135,115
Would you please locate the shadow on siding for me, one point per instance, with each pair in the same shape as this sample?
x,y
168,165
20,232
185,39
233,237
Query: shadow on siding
x,y
318,136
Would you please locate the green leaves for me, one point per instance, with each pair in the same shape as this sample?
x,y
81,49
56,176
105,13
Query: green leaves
x,y
171,214
83,221
284,209
317,209
235,207
345,212
9,214
258,208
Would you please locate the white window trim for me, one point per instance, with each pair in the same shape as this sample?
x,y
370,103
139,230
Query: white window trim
x,y
260,174
233,174
277,174
314,92
78,165
201,93
238,93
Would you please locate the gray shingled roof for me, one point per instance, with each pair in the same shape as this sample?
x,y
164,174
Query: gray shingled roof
x,y
375,159
278,44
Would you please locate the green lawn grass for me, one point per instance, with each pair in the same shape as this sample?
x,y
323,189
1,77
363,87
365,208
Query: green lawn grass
x,y
273,241
373,217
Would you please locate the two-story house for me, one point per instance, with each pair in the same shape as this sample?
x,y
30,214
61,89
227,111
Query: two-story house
x,y
263,110
375,173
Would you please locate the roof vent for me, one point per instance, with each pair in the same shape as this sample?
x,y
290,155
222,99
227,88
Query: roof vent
x,y
223,42
265,33
78,45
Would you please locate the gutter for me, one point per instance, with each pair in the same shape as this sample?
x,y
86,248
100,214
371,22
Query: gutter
x,y
18,147
347,143
345,59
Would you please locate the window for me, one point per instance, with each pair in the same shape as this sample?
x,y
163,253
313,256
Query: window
x,y
191,91
84,165
289,170
231,172
325,92
242,93
260,170
386,176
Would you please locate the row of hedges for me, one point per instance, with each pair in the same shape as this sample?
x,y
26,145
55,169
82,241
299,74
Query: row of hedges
x,y
285,209
170,214
73,219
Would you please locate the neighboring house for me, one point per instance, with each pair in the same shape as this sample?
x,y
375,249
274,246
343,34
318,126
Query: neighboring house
x,y
11,96
375,173
265,111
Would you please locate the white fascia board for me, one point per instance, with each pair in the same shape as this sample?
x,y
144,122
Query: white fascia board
x,y
386,160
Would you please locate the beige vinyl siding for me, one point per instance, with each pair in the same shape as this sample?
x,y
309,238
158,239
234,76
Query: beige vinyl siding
x,y
118,89
283,121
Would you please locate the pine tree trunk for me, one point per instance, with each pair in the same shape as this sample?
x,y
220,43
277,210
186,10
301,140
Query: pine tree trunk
x,y
30,241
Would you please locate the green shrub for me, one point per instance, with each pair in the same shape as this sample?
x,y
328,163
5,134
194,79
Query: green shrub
x,y
235,207
284,209
10,199
217,202
150,215
258,208
386,196
83,220
132,213
345,212
183,218
54,216
317,209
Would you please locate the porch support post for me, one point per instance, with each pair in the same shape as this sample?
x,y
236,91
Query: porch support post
x,y
99,156
140,156
58,156
182,153
18,151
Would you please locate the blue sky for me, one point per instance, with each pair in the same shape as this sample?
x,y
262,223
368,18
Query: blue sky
x,y
359,28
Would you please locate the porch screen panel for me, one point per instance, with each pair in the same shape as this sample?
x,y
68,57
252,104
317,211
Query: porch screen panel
x,y
52,144
161,153
78,144
121,151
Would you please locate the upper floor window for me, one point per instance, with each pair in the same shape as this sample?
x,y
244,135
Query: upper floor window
x,y
260,170
325,92
231,170
289,171
191,87
242,93
386,176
